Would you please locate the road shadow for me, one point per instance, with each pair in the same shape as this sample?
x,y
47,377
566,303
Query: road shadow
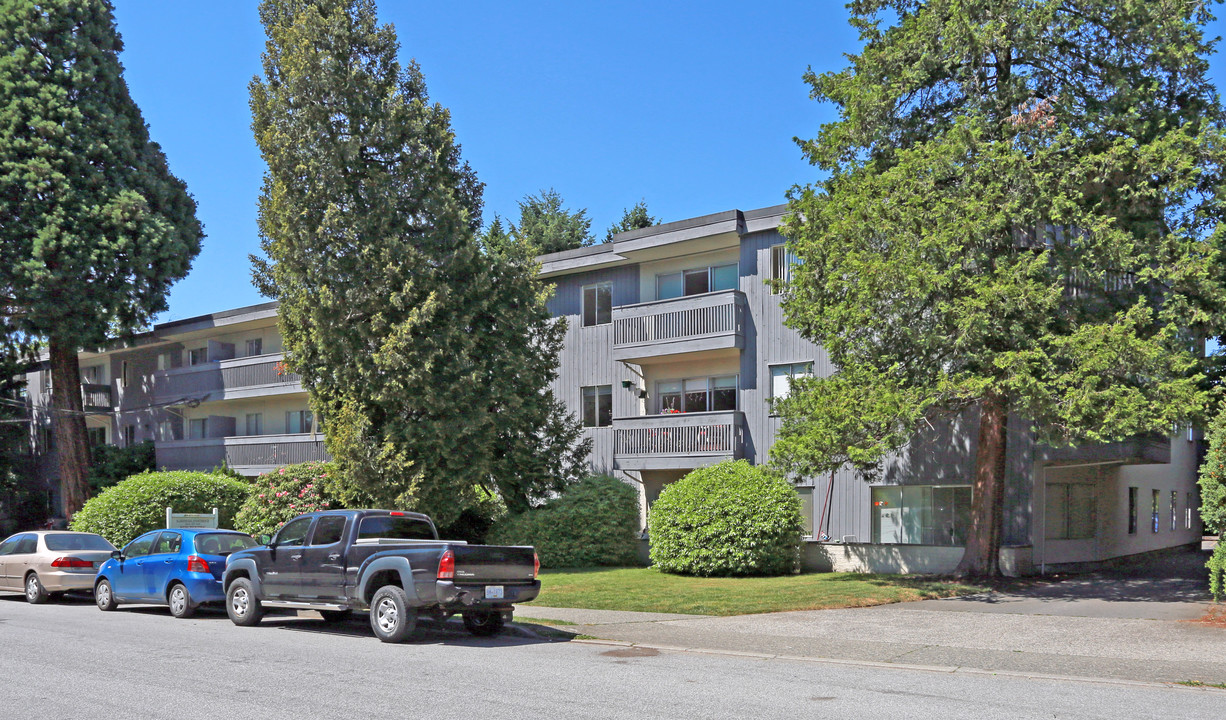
x,y
427,632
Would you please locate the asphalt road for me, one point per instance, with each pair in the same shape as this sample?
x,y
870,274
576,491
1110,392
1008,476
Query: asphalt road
x,y
70,660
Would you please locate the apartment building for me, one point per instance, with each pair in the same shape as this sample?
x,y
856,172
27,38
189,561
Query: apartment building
x,y
208,391
676,344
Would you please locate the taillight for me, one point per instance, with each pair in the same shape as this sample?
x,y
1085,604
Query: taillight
x,y
446,566
71,562
196,563
536,564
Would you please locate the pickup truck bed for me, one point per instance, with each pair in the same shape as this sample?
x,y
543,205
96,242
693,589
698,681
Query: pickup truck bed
x,y
389,563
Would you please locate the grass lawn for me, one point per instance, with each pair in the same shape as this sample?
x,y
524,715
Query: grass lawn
x,y
649,590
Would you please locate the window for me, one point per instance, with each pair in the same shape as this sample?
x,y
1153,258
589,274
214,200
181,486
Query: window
x,y
298,421
129,435
8,547
166,360
782,262
597,405
96,436
395,527
92,374
698,394
697,281
1154,502
168,542
806,509
782,376
123,372
1070,512
198,356
198,428
45,380
255,347
1174,510
1132,511
294,533
598,304
140,546
166,430
328,530
1187,511
921,514
255,423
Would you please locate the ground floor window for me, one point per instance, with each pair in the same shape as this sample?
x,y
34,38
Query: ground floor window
x,y
1154,509
1070,511
921,514
1132,511
96,436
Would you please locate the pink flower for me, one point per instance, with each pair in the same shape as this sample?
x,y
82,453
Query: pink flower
x,y
291,507
281,471
261,494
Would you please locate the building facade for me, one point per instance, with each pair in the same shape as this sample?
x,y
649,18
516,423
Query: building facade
x,y
675,345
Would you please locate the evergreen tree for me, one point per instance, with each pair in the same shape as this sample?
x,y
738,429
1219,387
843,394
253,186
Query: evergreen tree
x,y
95,228
635,218
427,359
1019,217
545,226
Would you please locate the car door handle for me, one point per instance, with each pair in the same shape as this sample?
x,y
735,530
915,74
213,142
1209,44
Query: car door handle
x,y
295,557
334,556
168,561
140,562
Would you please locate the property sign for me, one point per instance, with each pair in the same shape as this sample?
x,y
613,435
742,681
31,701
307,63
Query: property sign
x,y
206,521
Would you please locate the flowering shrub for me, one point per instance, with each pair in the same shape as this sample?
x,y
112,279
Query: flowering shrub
x,y
285,493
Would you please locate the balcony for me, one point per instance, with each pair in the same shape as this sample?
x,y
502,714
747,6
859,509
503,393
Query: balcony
x,y
681,441
96,397
247,455
245,377
1151,449
714,321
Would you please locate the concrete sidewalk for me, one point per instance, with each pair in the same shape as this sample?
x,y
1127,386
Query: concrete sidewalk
x,y
1105,625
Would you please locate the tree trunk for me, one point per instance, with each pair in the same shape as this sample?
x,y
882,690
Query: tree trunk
x,y
982,555
68,424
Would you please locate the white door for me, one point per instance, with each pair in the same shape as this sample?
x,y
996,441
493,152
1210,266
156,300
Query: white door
x,y
890,522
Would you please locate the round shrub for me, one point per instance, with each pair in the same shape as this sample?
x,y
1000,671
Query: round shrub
x,y
138,504
593,522
727,519
284,494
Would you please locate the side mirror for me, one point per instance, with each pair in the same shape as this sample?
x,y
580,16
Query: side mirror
x,y
117,554
266,539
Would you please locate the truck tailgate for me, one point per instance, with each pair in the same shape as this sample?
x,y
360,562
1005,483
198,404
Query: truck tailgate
x,y
493,563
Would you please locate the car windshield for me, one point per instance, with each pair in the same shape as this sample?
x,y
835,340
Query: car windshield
x,y
396,527
222,543
76,541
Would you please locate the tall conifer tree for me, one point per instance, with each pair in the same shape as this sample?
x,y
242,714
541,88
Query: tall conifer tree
x,y
1019,220
93,226
428,360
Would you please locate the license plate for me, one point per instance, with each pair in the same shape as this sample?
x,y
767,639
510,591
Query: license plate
x,y
493,592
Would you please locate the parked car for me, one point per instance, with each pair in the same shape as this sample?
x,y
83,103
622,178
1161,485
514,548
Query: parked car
x,y
46,563
389,563
179,568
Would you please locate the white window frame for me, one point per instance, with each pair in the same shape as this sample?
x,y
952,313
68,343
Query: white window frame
x,y
792,373
709,381
782,261
259,347
583,304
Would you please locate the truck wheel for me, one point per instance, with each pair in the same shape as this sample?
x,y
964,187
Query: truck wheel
x,y
242,605
483,623
391,618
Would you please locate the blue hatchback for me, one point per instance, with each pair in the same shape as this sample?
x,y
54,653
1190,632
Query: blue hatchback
x,y
179,568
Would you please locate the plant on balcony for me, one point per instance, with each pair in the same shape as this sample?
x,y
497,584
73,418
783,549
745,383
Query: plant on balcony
x,y
593,522
732,518
138,504
285,493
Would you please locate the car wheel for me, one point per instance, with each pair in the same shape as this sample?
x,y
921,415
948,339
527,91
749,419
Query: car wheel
x,y
104,596
483,623
391,618
36,594
335,616
180,601
242,605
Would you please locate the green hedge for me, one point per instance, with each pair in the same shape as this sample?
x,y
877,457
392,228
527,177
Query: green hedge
x,y
727,519
285,493
593,522
1213,479
138,504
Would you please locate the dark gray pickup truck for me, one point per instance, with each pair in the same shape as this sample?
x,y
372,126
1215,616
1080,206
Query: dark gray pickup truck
x,y
390,563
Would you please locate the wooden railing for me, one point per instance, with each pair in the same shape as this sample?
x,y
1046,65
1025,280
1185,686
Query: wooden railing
x,y
700,316
682,435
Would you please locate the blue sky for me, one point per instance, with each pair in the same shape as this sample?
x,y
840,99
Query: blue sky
x,y
689,106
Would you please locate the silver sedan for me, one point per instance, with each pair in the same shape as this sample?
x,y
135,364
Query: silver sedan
x,y
43,562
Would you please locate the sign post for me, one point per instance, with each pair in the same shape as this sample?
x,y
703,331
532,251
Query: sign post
x,y
204,521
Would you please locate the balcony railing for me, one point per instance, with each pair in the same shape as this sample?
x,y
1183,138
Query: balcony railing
x,y
96,396
687,324
685,440
239,377
249,455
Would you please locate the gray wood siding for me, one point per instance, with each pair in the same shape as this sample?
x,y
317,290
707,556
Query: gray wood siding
x,y
587,354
